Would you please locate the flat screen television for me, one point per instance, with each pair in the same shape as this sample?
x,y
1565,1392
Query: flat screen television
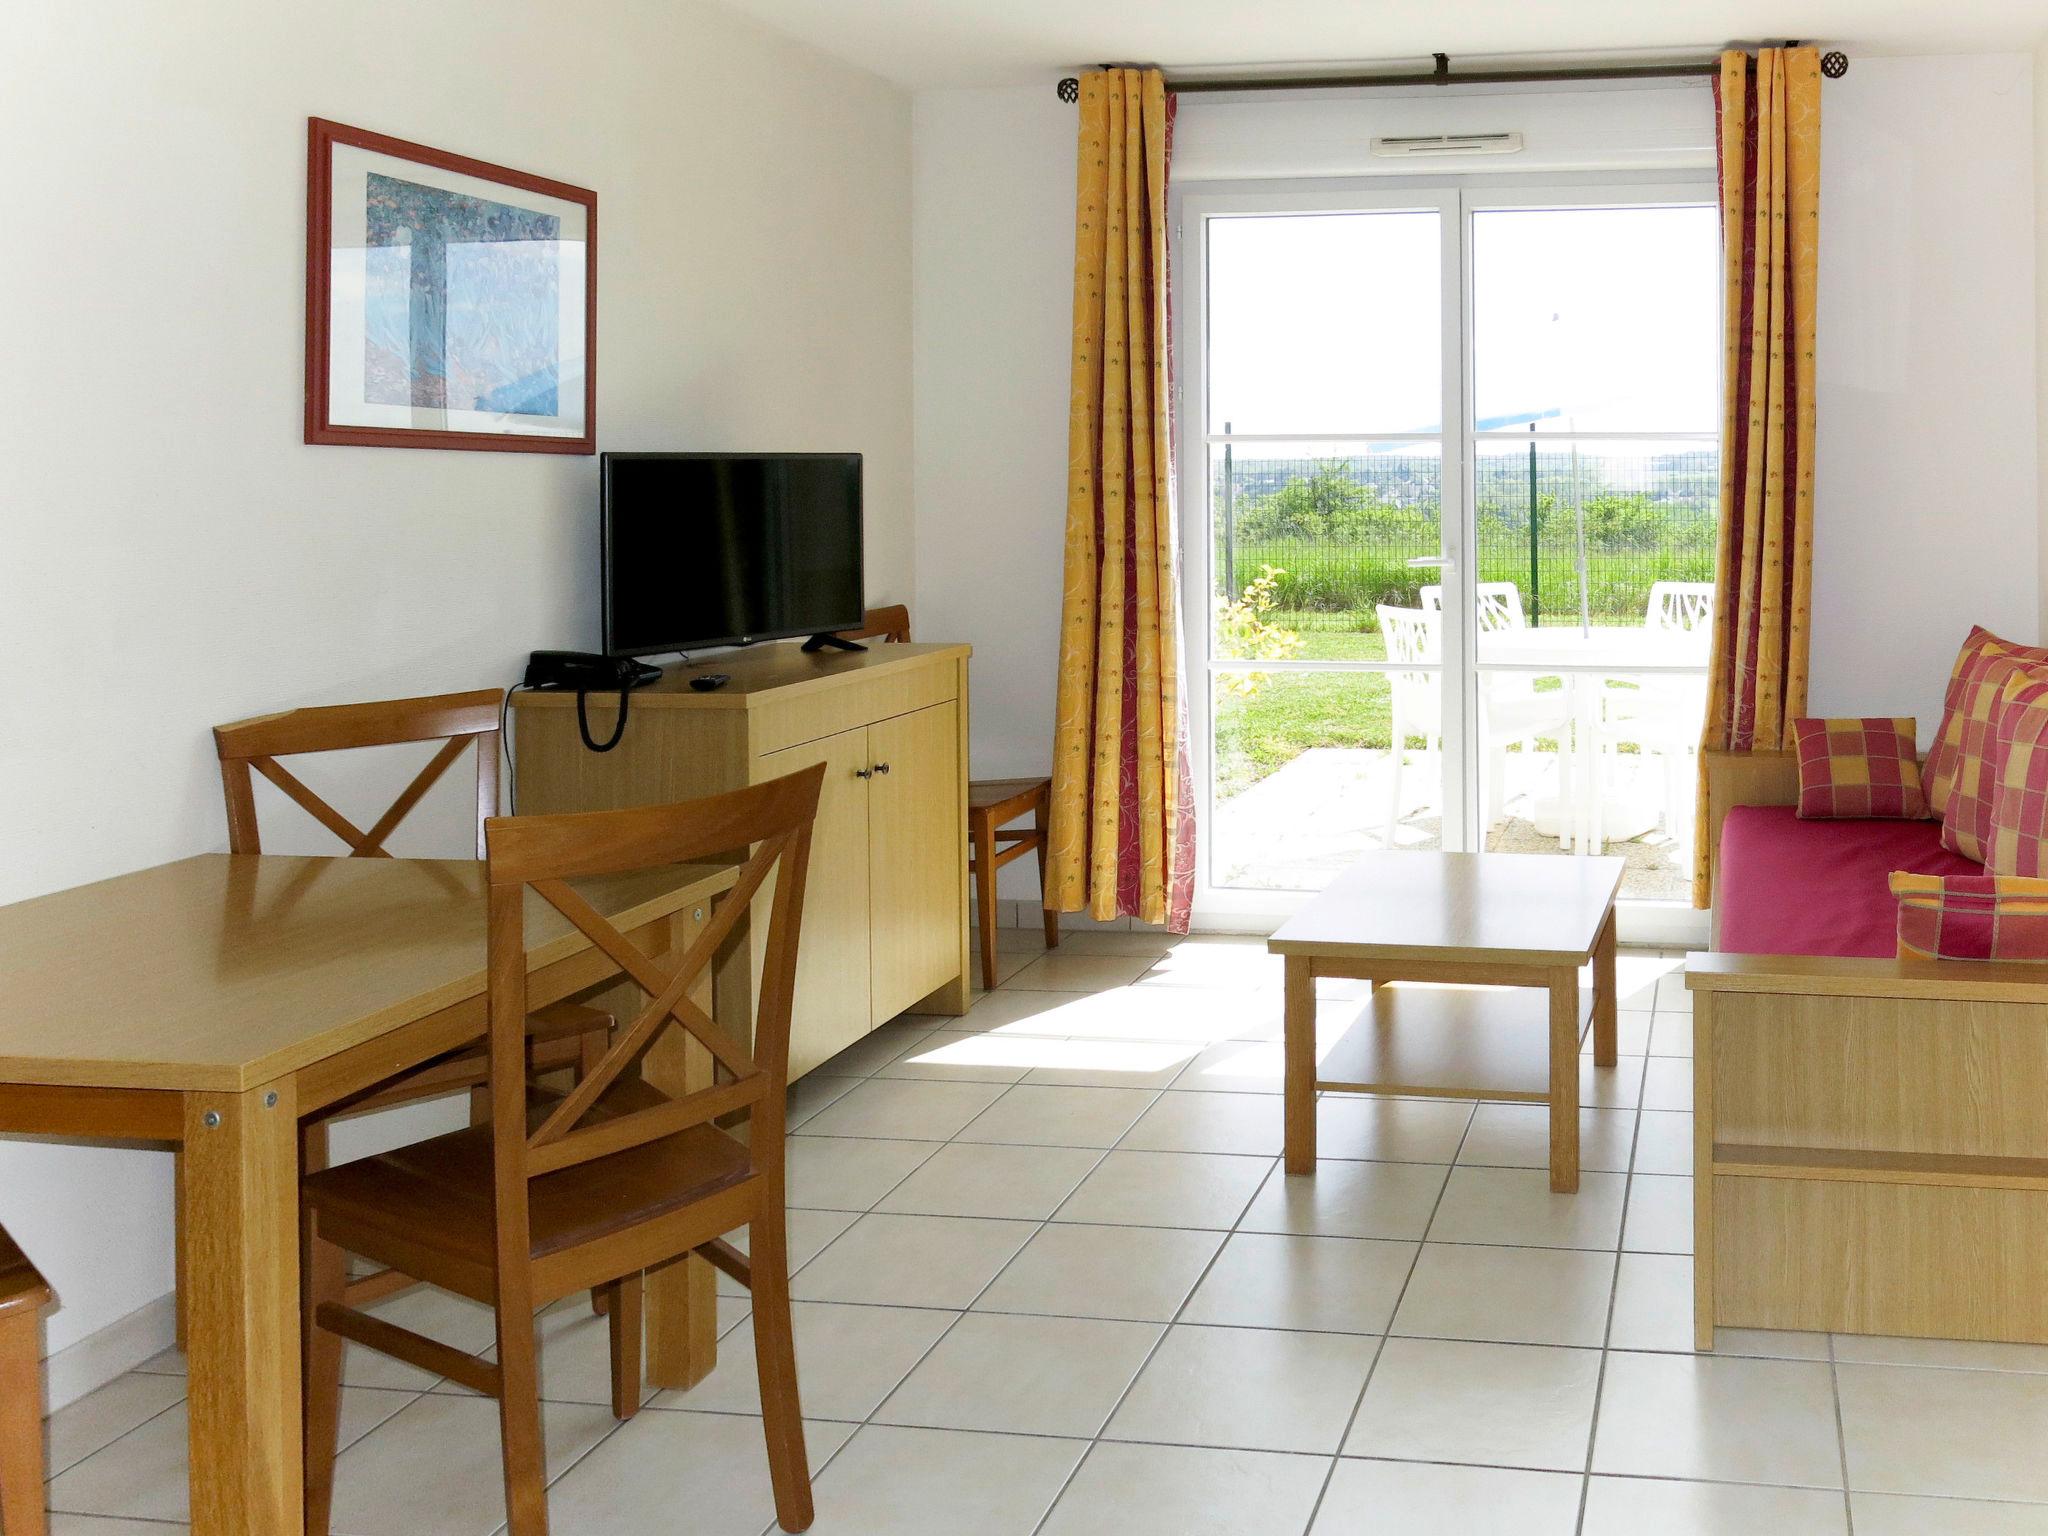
x,y
703,549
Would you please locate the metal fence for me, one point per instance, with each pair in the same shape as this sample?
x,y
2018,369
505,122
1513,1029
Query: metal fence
x,y
1340,531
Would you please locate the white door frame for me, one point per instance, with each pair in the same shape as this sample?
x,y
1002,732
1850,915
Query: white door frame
x,y
1230,905
1455,200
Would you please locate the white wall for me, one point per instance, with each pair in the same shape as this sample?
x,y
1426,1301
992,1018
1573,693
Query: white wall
x,y
1929,513
175,557
1927,506
993,257
1637,126
2041,295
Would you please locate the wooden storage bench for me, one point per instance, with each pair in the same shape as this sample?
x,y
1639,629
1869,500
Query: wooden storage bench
x,y
1870,1136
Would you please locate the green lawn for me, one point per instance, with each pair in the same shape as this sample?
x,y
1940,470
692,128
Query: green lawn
x,y
1288,713
1336,584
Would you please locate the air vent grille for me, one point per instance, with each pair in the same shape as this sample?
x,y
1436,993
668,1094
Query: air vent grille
x,y
1448,144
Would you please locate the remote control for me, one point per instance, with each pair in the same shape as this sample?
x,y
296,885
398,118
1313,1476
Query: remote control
x,y
707,682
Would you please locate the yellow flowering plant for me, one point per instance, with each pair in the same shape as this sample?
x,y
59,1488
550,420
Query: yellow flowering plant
x,y
1245,632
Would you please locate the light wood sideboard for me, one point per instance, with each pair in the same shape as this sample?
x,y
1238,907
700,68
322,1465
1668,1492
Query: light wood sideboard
x,y
886,908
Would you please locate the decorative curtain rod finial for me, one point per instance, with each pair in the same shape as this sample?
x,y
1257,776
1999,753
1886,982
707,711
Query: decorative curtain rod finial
x,y
1070,90
1834,63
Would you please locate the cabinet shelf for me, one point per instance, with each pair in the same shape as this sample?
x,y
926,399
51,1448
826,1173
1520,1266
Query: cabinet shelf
x,y
1850,1165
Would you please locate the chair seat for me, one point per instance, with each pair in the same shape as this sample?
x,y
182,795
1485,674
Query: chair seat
x,y
21,1288
1511,719
439,1193
988,794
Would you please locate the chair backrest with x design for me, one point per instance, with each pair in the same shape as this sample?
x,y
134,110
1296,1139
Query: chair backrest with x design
x,y
454,719
546,853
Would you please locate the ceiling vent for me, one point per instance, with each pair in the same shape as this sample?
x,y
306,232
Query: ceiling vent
x,y
1448,144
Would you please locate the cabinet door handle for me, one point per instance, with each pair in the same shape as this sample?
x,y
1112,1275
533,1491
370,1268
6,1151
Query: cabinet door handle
x,y
863,773
881,767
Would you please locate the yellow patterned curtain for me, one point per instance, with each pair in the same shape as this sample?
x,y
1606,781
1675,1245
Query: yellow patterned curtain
x,y
1122,835
1769,113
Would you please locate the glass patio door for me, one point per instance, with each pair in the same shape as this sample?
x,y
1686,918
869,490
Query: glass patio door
x,y
1594,358
1451,467
1328,714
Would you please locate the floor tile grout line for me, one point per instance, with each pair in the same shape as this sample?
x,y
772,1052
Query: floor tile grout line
x,y
1258,1450
1841,1437
1158,1343
133,1429
1150,1353
51,1476
412,1400
959,1316
1313,1333
1607,1332
1372,1369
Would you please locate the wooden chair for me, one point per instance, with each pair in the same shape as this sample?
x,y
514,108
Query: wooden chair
x,y
23,1295
562,1194
564,1036
991,803
889,625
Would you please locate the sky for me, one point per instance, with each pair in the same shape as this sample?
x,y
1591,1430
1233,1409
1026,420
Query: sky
x,y
1332,323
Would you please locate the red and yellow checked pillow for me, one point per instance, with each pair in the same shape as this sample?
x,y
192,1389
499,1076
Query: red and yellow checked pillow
x,y
1971,917
1868,767
1969,696
1966,824
2016,835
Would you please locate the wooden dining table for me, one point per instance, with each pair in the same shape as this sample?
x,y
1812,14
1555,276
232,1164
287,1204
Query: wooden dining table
x,y
217,1002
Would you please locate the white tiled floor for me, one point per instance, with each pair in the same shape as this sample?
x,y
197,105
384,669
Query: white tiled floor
x,y
1052,1281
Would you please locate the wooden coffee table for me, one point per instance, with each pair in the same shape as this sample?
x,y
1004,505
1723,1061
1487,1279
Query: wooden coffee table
x,y
1518,926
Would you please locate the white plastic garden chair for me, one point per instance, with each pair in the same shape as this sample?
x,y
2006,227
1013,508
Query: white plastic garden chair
x,y
1665,714
1680,607
1415,636
1500,605
1508,700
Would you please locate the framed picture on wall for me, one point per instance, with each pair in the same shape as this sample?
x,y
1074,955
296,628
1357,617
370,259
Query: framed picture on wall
x,y
450,303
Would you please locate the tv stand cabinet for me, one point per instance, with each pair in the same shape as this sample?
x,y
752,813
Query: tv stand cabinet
x,y
885,925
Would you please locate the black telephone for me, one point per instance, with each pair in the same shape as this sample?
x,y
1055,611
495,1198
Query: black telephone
x,y
586,671
589,673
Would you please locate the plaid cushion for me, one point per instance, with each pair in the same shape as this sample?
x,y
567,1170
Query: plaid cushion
x,y
1979,647
2016,838
1966,824
1971,917
1858,768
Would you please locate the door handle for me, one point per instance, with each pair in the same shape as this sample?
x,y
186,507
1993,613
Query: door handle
x,y
881,767
1432,562
863,773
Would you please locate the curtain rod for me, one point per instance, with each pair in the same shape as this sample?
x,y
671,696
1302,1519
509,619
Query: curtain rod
x,y
1834,65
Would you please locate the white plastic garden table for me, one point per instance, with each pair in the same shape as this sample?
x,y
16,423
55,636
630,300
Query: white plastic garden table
x,y
1586,659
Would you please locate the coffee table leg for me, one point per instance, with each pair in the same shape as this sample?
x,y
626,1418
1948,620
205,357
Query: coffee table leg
x,y
1564,1081
1299,1051
1605,1043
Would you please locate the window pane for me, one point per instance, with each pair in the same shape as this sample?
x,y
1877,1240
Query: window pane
x,y
1596,319
1309,539
1304,773
1592,556
1325,323
1636,513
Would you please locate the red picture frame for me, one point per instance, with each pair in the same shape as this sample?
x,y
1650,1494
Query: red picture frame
x,y
323,136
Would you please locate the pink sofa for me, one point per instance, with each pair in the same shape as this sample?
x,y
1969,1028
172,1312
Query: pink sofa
x,y
1791,887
